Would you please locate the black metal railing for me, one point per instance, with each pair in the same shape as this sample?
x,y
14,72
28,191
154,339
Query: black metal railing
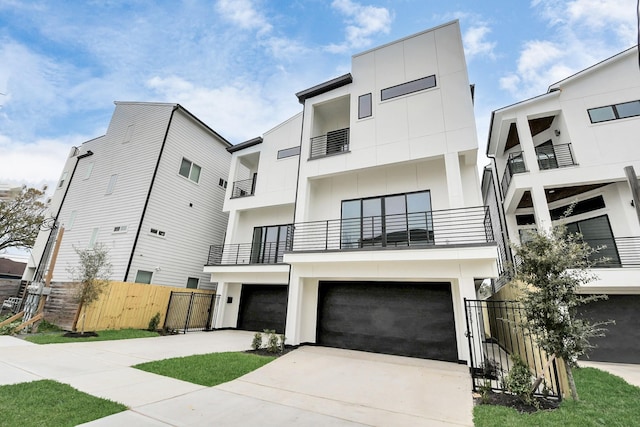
x,y
420,229
333,142
515,164
191,311
616,252
494,333
247,253
243,188
555,156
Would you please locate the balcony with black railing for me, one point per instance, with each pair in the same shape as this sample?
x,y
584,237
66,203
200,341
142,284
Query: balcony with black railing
x,y
555,156
247,253
515,164
460,227
244,188
333,142
615,252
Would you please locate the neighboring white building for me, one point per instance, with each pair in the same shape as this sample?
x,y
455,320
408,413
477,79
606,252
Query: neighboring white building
x,y
372,236
151,189
569,145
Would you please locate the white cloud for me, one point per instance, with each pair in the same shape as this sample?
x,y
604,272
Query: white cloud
x,y
362,23
244,14
583,32
475,42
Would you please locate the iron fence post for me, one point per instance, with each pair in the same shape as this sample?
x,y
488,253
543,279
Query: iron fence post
x,y
186,323
166,315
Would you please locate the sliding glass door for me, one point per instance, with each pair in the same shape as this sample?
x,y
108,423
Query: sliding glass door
x,y
270,242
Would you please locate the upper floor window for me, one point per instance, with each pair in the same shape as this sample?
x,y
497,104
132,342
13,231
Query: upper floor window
x,y
409,87
87,174
112,184
289,152
614,112
190,170
128,134
64,177
364,106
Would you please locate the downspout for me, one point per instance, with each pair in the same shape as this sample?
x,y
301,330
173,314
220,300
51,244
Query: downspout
x,y
45,253
146,202
502,217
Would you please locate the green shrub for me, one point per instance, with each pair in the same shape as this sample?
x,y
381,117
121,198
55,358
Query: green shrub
x,y
8,329
153,323
518,381
256,344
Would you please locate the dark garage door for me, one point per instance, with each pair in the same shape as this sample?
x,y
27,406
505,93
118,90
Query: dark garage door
x,y
263,307
621,344
407,319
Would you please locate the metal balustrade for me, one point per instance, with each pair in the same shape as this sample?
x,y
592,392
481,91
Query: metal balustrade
x,y
247,253
243,188
333,142
555,156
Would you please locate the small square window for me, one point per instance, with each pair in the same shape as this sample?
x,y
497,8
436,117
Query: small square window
x,y
192,283
190,170
364,106
628,109
144,277
602,114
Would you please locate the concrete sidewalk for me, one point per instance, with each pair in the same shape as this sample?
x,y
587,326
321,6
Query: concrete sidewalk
x,y
309,386
628,372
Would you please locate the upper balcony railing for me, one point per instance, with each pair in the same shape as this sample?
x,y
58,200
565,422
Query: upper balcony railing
x,y
555,156
465,226
243,188
334,142
616,252
247,253
515,164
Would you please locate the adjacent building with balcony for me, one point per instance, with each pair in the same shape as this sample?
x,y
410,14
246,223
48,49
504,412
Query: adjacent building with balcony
x,y
151,190
359,223
571,146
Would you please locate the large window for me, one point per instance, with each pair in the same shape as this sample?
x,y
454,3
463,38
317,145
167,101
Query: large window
x,y
364,106
596,232
270,242
614,112
407,88
190,170
394,220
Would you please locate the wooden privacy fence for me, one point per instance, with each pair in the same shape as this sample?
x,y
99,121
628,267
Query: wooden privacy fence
x,y
129,305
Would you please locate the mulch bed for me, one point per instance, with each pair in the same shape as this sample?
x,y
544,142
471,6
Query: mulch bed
x,y
512,401
80,334
265,352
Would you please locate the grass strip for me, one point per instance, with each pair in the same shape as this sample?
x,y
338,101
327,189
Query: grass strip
x,y
109,335
50,403
207,369
605,400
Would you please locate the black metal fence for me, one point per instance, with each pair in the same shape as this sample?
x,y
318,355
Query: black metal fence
x,y
243,188
494,334
191,311
333,142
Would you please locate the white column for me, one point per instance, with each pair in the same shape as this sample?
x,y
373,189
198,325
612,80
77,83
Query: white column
x,y
454,180
541,208
466,289
222,292
526,142
294,312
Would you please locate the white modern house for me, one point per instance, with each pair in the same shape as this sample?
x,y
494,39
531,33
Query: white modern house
x,y
359,223
151,190
572,145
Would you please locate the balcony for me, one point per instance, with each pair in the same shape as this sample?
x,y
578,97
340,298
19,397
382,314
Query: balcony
x,y
515,164
333,142
554,156
247,253
244,188
466,226
617,252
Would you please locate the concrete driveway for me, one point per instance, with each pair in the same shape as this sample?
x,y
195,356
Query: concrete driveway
x,y
308,386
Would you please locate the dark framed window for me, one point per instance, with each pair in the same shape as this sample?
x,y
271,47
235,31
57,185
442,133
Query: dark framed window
x,y
597,233
190,170
409,87
580,207
144,277
270,242
614,112
289,152
192,283
392,220
365,107
525,219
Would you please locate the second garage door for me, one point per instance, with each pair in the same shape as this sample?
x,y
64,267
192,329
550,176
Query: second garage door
x,y
263,307
407,319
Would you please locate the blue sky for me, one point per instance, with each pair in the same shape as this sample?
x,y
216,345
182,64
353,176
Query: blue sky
x,y
237,64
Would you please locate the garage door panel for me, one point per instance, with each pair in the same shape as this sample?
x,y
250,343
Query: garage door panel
x,y
409,319
263,307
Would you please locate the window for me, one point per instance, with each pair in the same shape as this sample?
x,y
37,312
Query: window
x,y
190,170
222,183
72,219
613,112
525,219
596,232
156,232
409,87
94,238
112,184
270,242
192,283
395,220
120,229
364,106
128,134
289,152
144,277
581,207
87,174
64,177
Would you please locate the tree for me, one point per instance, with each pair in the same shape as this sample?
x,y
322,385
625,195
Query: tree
x,y
21,218
91,276
551,267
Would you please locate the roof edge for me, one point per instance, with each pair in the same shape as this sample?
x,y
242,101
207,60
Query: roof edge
x,y
245,144
327,86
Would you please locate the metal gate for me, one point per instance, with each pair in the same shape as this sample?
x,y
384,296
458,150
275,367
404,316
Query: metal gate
x,y
494,334
190,311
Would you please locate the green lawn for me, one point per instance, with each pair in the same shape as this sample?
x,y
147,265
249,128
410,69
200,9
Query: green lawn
x,y
207,369
122,334
605,400
50,403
